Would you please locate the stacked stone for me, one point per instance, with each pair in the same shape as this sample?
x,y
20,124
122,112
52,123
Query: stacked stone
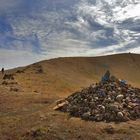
x,y
111,100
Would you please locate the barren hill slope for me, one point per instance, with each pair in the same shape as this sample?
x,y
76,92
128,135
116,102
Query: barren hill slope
x,y
26,103
61,76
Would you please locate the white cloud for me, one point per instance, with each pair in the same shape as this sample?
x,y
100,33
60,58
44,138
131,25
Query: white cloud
x,y
12,58
130,11
87,30
136,50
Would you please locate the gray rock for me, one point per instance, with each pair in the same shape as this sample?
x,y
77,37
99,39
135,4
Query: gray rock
x,y
120,115
99,117
119,98
86,115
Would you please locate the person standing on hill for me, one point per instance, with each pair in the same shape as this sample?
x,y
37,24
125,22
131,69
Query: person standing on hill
x,y
2,70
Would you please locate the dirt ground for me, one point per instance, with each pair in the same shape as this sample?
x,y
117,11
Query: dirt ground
x,y
26,103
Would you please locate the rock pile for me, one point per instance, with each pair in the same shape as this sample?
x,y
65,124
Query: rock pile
x,y
20,71
8,77
38,69
10,83
109,100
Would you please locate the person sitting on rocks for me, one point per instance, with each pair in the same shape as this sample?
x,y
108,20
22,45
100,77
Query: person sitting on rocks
x,y
2,70
106,76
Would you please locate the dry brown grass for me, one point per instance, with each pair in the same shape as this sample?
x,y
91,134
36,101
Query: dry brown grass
x,y
30,109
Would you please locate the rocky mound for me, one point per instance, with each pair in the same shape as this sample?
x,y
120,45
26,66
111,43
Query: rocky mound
x,y
109,100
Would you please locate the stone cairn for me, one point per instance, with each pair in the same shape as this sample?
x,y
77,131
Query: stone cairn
x,y
109,100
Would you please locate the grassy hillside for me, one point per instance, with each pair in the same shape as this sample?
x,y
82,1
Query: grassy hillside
x,y
62,76
26,103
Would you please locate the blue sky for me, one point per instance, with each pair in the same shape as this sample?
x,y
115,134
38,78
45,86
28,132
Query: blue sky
x,y
33,30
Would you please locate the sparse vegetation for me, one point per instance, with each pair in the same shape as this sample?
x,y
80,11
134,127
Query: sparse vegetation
x,y
35,134
8,77
28,113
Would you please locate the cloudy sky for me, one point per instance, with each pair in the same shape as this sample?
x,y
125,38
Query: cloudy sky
x,y
33,30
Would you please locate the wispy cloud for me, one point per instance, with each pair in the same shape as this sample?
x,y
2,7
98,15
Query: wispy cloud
x,y
48,29
16,58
